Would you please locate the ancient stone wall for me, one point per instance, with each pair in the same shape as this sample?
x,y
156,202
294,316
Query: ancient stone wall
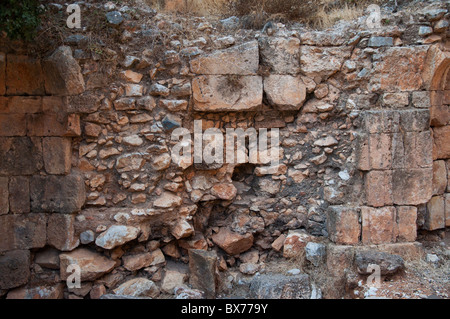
x,y
87,176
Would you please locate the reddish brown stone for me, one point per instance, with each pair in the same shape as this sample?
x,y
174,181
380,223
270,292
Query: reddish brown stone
x,y
57,194
343,225
23,231
224,191
57,153
25,104
435,216
440,115
13,125
2,73
73,125
92,129
441,146
93,265
62,73
39,292
4,196
61,232
202,271
13,161
379,188
406,223
447,209
233,243
380,151
23,76
14,268
378,225
412,187
46,124
439,177
19,194
295,243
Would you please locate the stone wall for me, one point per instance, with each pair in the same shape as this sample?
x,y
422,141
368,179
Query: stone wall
x,y
86,174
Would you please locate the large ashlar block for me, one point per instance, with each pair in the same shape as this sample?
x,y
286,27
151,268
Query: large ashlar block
x,y
22,231
405,76
406,223
2,73
23,76
57,155
61,232
412,186
62,73
13,125
286,92
441,145
379,188
380,151
20,155
378,225
241,60
218,93
281,55
4,196
412,150
343,225
14,268
19,194
439,177
57,194
435,216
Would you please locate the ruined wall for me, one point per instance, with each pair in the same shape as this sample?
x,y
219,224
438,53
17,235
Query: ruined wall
x,y
86,174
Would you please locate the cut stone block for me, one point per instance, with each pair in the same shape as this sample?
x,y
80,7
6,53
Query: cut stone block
x,y
14,268
23,231
23,76
343,225
19,194
57,155
378,225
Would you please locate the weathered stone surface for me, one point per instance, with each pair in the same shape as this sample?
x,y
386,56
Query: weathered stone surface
x,y
25,104
57,153
202,271
227,93
13,162
174,105
116,235
19,194
441,146
380,42
48,258
174,277
379,188
93,265
23,76
182,229
405,76
281,55
406,223
439,177
278,286
378,225
233,243
447,209
132,76
138,287
339,259
389,264
130,162
440,115
4,196
161,162
286,92
242,59
315,253
38,292
167,200
412,187
62,74
138,261
183,292
319,63
23,231
61,232
13,125
396,99
435,216
2,73
295,243
343,225
49,124
224,191
14,268
57,194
